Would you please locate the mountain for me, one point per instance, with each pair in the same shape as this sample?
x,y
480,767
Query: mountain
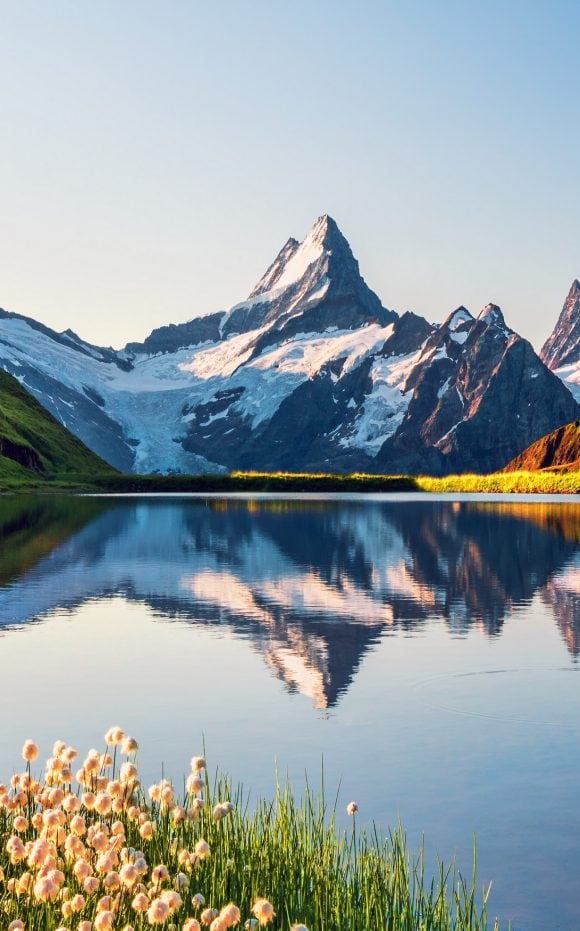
x,y
479,391
33,445
310,372
558,450
563,345
561,351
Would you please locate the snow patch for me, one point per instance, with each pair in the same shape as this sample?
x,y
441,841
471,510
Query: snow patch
x,y
308,252
384,407
460,317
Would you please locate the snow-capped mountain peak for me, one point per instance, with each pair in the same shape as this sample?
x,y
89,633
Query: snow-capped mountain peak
x,y
492,316
269,279
562,348
310,285
295,258
458,319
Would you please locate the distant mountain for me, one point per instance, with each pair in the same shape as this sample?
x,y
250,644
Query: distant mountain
x,y
479,393
310,372
33,445
558,450
561,351
563,345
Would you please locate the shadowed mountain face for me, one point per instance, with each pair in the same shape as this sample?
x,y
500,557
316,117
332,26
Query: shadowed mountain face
x,y
312,585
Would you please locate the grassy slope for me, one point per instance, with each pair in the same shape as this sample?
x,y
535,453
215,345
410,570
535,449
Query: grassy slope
x,y
34,447
557,450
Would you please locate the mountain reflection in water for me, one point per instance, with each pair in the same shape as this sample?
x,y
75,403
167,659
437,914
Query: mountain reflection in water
x,y
313,584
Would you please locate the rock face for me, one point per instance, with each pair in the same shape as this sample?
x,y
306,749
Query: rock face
x,y
310,372
558,450
563,345
478,391
561,351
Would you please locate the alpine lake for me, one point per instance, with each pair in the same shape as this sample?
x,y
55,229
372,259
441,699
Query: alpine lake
x,y
417,653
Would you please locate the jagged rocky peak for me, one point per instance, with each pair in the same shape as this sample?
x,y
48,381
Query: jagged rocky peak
x,y
492,315
450,335
458,319
310,286
563,345
409,333
295,260
494,324
268,281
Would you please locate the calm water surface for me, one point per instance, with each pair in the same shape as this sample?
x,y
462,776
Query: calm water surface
x,y
425,649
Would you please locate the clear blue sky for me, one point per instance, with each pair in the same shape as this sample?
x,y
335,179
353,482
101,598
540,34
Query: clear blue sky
x,y
155,155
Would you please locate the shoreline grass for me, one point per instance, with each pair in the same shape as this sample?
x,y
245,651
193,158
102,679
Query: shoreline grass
x,y
541,482
99,854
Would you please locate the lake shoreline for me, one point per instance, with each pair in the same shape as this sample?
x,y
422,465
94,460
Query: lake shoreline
x,y
516,483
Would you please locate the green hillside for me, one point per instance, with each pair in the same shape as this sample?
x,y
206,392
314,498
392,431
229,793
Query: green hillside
x,y
34,447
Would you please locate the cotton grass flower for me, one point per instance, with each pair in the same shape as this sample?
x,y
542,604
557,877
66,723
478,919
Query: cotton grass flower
x,y
264,911
172,899
159,874
194,784
221,810
230,915
351,808
202,849
158,912
140,902
90,885
197,764
129,745
104,921
147,830
30,751
114,736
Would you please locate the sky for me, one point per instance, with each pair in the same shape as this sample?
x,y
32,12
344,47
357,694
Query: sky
x,y
155,156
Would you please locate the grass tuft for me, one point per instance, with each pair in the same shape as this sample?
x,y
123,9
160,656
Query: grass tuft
x,y
101,850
